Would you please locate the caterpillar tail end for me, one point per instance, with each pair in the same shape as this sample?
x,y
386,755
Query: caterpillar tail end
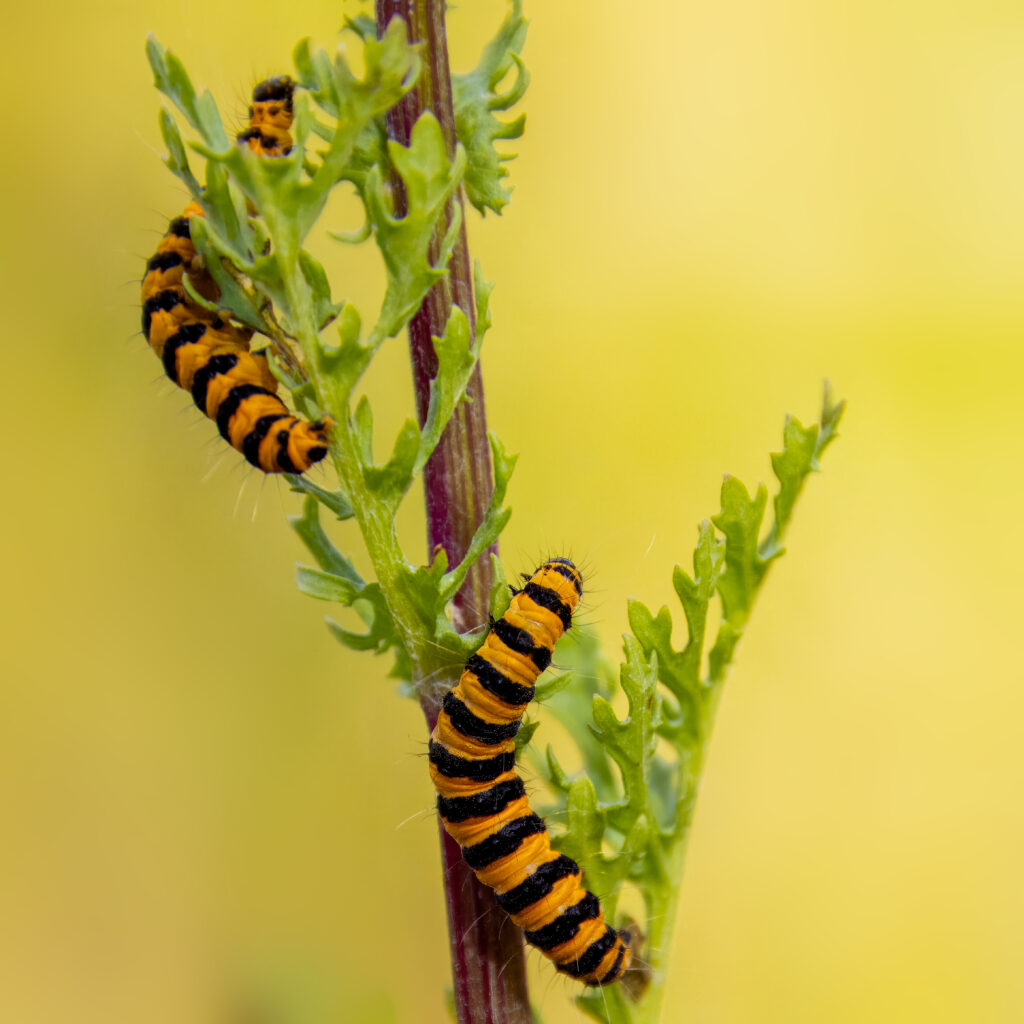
x,y
635,975
307,442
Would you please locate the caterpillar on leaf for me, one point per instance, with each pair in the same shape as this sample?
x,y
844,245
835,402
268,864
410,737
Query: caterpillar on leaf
x,y
203,351
482,801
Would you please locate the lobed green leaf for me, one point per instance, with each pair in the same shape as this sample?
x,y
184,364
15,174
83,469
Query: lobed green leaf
x,y
390,481
593,676
171,78
457,357
326,586
324,309
429,180
177,157
476,97
335,501
311,532
495,519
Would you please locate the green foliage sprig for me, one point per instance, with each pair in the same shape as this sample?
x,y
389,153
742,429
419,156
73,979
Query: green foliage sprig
x,y
633,798
477,97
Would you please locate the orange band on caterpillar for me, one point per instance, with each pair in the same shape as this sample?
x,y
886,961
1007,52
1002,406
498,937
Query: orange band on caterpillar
x,y
482,801
208,355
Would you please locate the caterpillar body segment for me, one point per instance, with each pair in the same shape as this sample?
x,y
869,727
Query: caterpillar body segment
x,y
483,803
206,354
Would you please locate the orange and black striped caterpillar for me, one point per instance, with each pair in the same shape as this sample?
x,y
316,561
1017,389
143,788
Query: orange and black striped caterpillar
x,y
483,803
203,351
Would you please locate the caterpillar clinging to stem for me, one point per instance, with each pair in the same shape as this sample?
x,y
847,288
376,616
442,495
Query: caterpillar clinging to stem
x,y
482,801
204,352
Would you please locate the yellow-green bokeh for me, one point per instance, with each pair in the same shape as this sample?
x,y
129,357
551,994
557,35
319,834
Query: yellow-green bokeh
x,y
204,799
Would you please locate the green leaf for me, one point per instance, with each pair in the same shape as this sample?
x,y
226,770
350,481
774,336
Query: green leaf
x,y
347,361
171,78
381,635
631,742
363,25
584,823
495,519
391,65
501,596
456,360
314,72
424,588
326,586
225,209
579,653
476,97
232,297
801,450
335,501
740,521
654,634
525,734
347,588
390,481
429,181
556,773
362,431
356,237
482,289
831,414
546,689
695,594
680,671
307,526
324,310
177,157
791,467
583,840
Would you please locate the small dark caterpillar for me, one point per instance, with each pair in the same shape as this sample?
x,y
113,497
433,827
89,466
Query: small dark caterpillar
x,y
482,801
207,354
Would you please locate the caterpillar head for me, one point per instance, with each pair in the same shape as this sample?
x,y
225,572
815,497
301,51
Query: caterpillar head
x,y
560,575
270,117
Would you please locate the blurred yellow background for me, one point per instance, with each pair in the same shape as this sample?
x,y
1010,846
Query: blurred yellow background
x,y
208,805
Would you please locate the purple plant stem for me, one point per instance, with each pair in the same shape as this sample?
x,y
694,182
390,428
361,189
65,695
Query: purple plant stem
x,y
488,962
